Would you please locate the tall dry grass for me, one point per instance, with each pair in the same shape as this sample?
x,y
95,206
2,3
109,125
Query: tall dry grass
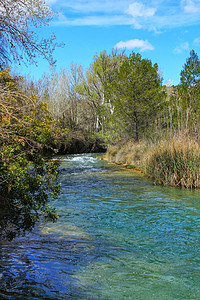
x,y
128,153
175,163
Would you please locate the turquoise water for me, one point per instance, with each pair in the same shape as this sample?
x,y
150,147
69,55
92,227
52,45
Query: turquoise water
x,y
118,237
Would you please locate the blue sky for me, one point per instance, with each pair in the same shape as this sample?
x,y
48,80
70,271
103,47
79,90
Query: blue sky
x,y
163,31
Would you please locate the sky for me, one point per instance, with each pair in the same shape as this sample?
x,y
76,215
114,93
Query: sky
x,y
163,31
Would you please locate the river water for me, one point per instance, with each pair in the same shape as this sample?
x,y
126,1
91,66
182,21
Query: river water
x,y
118,237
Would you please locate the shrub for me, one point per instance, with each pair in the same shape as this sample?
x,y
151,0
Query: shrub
x,y
28,176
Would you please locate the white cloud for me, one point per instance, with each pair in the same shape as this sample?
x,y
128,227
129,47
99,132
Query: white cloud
x,y
139,12
156,16
182,47
196,41
132,44
138,9
91,21
93,6
191,6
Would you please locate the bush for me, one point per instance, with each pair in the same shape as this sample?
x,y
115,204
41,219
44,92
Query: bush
x,y
28,176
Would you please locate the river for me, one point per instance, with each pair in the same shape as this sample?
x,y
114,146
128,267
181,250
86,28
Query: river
x,y
118,237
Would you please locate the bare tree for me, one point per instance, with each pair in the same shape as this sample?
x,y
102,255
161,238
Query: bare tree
x,y
20,21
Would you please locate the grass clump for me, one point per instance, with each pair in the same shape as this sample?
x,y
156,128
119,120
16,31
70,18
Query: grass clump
x,y
130,153
175,163
111,153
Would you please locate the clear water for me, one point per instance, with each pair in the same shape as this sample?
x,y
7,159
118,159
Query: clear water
x,y
118,237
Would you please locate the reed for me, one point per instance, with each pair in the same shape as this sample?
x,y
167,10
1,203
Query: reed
x,y
175,163
129,153
111,153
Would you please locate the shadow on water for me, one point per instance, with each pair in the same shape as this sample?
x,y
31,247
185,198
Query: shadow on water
x,y
44,266
41,266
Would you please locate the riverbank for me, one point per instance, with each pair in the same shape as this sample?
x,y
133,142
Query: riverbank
x,y
78,142
174,162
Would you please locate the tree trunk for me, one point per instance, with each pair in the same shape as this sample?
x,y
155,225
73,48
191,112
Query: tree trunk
x,y
195,125
136,127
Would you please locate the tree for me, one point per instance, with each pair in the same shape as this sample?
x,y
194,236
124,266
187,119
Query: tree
x,y
59,91
190,75
136,93
94,87
190,90
28,176
19,22
75,78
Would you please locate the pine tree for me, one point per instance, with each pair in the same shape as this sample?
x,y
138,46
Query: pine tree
x,y
190,90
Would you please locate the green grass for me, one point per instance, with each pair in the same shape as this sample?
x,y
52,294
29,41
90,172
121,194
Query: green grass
x,y
131,166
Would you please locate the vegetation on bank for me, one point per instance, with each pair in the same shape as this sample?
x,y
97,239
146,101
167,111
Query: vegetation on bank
x,y
118,103
174,162
170,153
130,153
30,130
28,177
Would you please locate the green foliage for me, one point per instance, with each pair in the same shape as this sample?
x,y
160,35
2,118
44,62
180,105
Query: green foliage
x,y
190,92
131,166
119,97
190,75
93,89
28,176
136,95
